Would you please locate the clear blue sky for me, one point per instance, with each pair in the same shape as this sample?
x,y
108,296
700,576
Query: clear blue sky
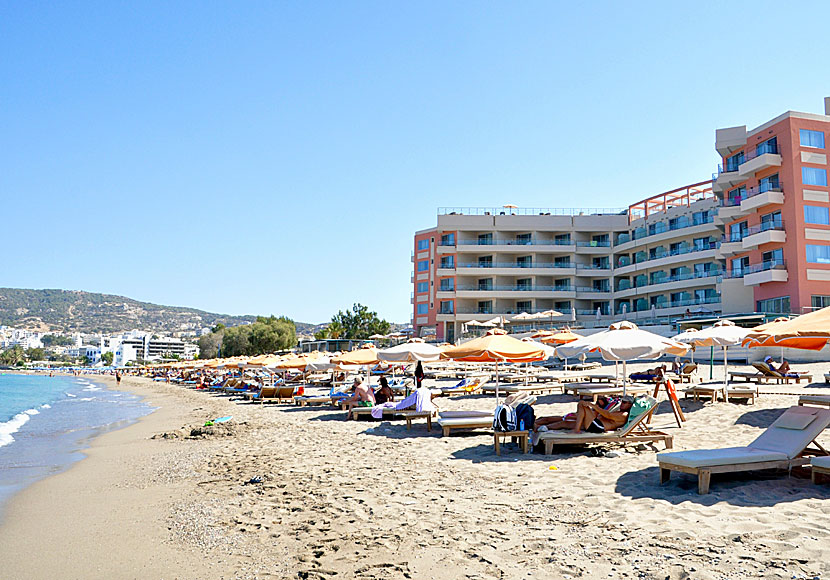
x,y
265,157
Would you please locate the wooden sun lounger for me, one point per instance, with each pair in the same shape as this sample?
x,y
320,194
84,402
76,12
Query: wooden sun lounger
x,y
820,468
358,412
785,444
816,400
598,378
597,391
450,424
531,389
304,400
635,432
772,375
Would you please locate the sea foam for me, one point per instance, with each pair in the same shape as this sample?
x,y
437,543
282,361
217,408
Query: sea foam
x,y
13,425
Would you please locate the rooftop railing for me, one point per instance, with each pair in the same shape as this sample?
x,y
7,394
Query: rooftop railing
x,y
561,211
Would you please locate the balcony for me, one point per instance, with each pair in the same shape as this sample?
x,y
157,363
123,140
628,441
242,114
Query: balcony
x,y
729,140
679,281
724,179
677,229
509,268
758,197
764,159
517,245
767,233
670,257
774,271
729,247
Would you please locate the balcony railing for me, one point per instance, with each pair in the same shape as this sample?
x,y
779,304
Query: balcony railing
x,y
678,278
624,238
535,288
715,299
510,310
593,244
755,268
515,242
761,149
676,252
572,211
515,265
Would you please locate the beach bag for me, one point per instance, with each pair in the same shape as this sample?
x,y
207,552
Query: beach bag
x,y
525,417
504,418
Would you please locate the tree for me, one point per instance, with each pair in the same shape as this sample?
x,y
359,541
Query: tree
x,y
107,358
263,336
13,356
219,327
55,340
35,354
358,323
209,344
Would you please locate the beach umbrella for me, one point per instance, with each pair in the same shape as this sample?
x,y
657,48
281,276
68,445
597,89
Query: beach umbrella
x,y
411,351
723,333
541,334
549,314
623,341
522,316
366,355
809,331
495,346
321,363
562,337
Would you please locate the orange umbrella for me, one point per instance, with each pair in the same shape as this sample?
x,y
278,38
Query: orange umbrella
x,y
495,346
366,355
809,332
561,337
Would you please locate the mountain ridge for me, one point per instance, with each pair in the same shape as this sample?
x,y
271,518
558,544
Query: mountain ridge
x,y
51,310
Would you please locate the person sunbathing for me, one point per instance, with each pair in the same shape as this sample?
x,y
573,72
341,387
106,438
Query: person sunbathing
x,y
568,420
594,417
361,397
783,368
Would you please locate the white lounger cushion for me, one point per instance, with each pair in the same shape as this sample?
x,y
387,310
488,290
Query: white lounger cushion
x,y
468,414
814,398
470,422
821,462
712,457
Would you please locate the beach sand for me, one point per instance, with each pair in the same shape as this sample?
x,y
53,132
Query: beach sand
x,y
361,499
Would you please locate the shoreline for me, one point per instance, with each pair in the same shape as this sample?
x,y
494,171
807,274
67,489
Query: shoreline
x,y
102,496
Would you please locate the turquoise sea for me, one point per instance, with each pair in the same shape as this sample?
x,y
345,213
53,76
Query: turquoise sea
x,y
46,422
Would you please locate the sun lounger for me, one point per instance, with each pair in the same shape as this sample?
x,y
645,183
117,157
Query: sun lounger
x,y
816,400
598,378
785,444
712,390
362,412
466,386
634,431
746,376
464,420
304,400
791,376
686,373
820,467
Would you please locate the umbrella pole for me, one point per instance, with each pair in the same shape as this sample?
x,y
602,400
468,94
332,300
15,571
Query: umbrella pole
x,y
725,376
497,383
711,362
625,377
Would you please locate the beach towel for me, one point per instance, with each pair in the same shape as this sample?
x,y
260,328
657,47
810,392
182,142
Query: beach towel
x,y
421,399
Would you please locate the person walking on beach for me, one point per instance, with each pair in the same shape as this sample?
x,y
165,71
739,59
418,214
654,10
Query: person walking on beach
x,y
419,375
117,378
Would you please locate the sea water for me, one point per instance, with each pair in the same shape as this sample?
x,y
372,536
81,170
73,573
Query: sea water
x,y
46,422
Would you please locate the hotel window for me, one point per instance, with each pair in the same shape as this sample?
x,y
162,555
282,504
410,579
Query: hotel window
x,y
656,228
485,262
733,162
423,244
602,240
485,284
768,146
772,259
524,261
562,284
812,138
736,195
601,263
562,240
658,301
814,214
485,239
769,183
523,239
738,231
562,262
774,305
818,254
814,176
423,265
448,262
601,286
446,307
562,305
739,265
657,252
678,223
657,277
447,284
820,301
485,307
680,298
448,240
700,217
524,305
422,309
423,287
771,221
524,284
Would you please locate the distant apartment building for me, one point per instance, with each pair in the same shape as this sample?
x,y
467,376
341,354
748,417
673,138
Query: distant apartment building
x,y
755,239
775,209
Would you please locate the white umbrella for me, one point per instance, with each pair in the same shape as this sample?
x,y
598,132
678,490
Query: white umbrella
x,y
320,364
411,351
723,333
623,341
524,316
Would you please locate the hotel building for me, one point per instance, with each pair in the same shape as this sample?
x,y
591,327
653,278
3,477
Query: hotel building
x,y
755,238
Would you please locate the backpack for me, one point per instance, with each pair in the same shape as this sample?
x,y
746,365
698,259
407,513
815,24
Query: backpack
x,y
504,418
525,417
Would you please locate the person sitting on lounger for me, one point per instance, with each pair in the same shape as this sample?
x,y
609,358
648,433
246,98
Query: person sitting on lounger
x,y
362,397
569,420
384,393
594,417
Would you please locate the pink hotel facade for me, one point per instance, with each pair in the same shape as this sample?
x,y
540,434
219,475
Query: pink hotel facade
x,y
754,239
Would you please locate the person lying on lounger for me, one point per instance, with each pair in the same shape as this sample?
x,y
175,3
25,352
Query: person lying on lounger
x,y
593,417
783,368
608,403
655,374
362,397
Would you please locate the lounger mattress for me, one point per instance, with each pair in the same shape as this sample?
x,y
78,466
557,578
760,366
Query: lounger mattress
x,y
823,462
713,457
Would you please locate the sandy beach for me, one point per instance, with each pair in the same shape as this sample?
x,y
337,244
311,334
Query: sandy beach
x,y
355,499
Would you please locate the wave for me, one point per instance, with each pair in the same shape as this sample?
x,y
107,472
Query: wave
x,y
46,406
91,388
70,395
13,425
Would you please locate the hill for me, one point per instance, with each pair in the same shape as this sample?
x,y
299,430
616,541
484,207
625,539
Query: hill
x,y
90,312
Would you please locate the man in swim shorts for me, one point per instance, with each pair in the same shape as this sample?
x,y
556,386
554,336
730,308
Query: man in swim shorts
x,y
362,397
